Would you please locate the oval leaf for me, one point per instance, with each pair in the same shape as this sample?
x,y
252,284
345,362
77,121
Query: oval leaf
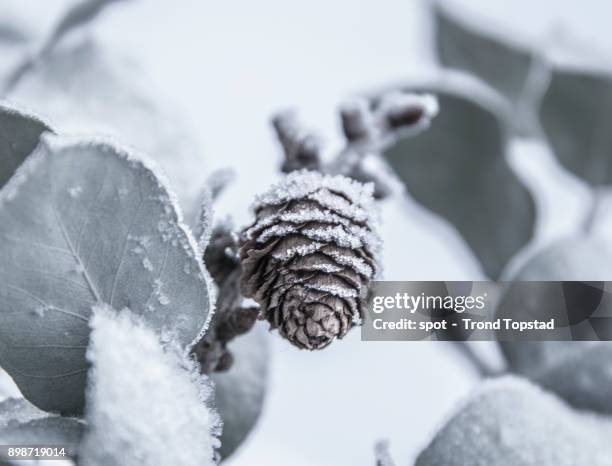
x,y
21,423
458,169
583,378
62,432
81,88
504,65
18,411
19,135
578,371
575,113
240,392
83,224
508,423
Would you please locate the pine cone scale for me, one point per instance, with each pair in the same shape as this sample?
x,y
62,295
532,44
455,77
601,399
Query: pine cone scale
x,y
309,256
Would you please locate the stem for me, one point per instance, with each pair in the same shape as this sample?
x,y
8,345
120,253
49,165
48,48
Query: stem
x,y
536,83
590,220
231,318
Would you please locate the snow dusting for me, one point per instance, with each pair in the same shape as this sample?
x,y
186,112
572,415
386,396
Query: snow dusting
x,y
303,183
508,423
145,405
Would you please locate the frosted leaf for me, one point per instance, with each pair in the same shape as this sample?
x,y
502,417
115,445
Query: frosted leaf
x,y
144,405
83,89
15,411
21,423
19,135
510,422
60,258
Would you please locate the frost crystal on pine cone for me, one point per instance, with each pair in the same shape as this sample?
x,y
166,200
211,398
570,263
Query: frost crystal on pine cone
x,y
310,255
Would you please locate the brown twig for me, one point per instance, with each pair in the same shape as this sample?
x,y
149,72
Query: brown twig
x,y
301,148
368,128
232,318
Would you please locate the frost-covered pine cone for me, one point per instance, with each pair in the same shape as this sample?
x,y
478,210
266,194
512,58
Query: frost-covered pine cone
x,y
310,255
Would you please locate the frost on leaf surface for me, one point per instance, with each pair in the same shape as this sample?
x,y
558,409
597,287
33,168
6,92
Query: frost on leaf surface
x,y
19,135
63,254
509,422
17,411
21,423
458,169
82,89
145,405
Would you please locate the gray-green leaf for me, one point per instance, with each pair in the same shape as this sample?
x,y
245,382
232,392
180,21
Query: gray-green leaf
x,y
19,135
23,424
458,169
501,62
84,224
18,411
240,392
575,114
578,371
509,422
583,378
83,89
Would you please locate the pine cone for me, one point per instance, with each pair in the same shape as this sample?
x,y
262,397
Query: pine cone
x,y
309,256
